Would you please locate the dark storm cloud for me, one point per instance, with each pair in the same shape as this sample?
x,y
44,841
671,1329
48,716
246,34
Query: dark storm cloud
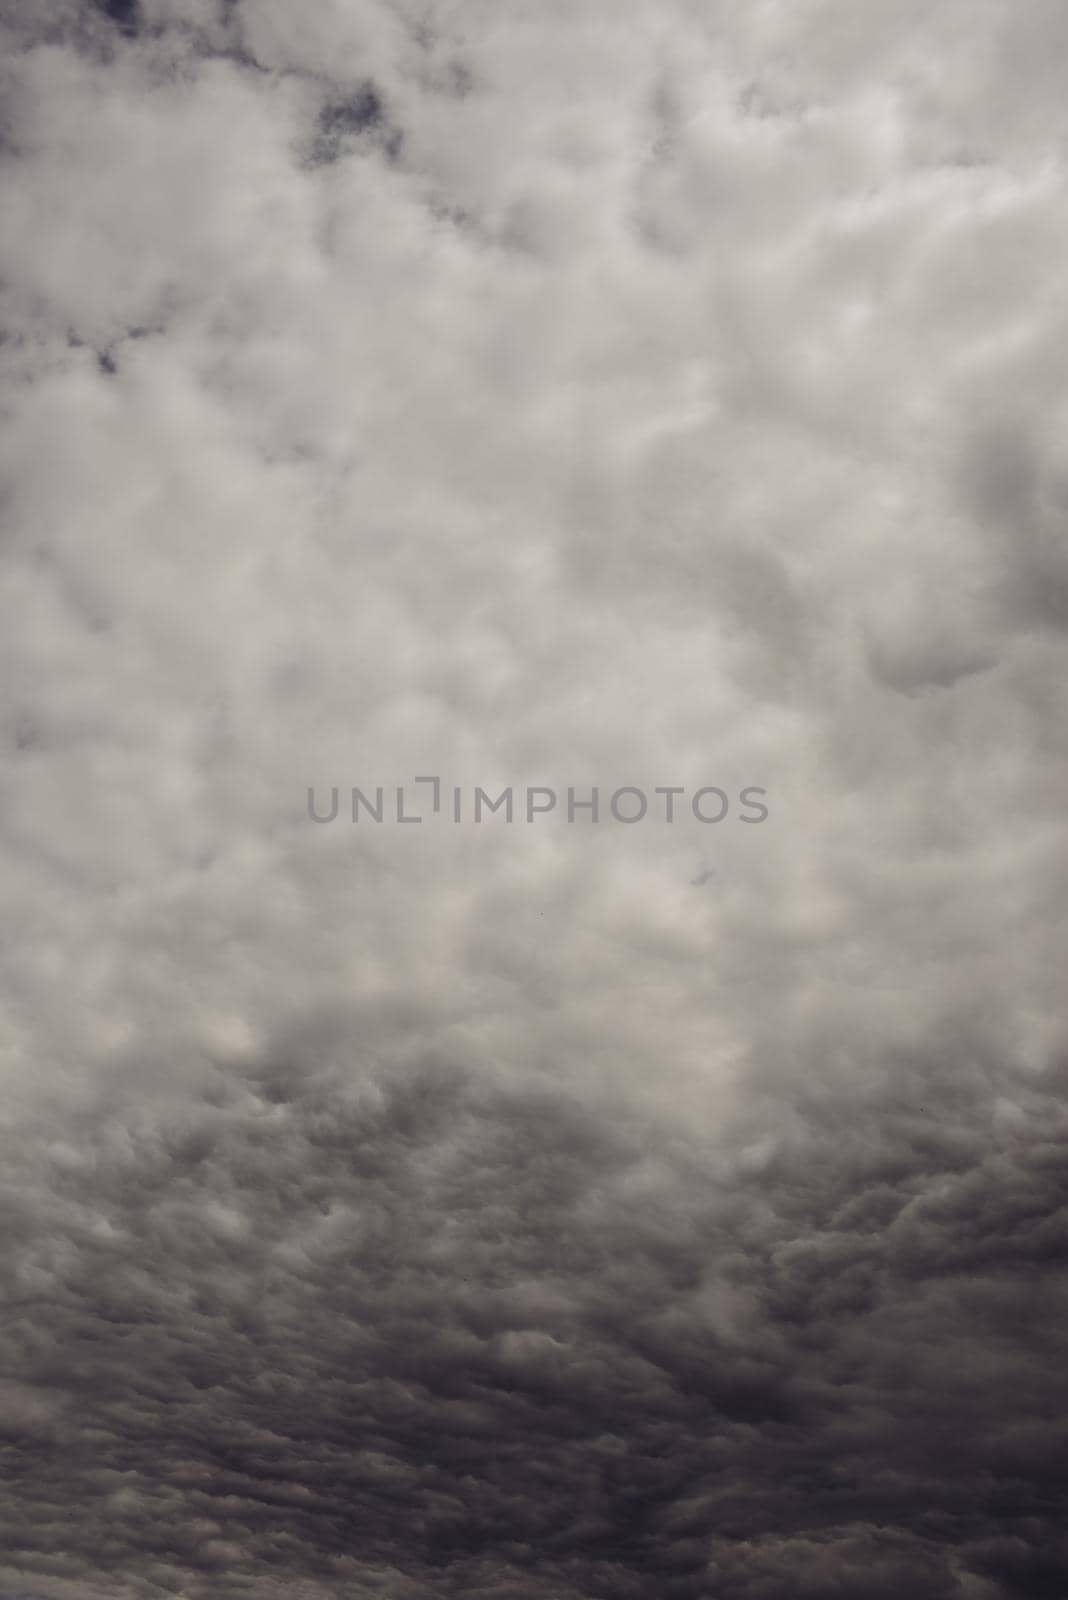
x,y
407,1332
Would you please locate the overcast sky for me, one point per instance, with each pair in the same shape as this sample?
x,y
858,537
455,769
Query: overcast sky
x,y
624,393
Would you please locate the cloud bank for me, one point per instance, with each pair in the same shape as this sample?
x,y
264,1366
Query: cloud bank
x,y
666,395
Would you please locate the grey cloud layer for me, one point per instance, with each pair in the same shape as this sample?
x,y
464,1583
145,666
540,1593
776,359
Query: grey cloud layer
x,y
405,1333
533,395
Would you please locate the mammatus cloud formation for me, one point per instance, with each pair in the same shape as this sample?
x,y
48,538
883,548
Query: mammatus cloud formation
x,y
532,395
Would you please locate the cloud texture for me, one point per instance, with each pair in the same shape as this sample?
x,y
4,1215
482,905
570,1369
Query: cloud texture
x,y
636,395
